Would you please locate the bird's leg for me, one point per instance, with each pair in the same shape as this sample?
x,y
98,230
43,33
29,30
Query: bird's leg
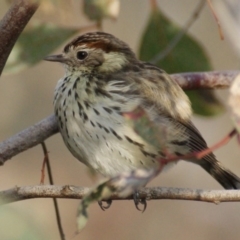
x,y
103,206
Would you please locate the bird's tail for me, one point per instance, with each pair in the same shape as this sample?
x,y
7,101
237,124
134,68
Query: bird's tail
x,y
224,176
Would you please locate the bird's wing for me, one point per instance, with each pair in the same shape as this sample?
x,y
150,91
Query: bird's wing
x,y
171,104
168,107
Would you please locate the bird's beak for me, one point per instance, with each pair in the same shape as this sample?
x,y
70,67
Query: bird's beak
x,y
56,58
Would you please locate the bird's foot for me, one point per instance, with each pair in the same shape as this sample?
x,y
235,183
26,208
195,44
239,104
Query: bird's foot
x,y
138,201
103,206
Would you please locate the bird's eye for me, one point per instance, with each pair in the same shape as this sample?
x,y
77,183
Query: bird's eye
x,y
81,55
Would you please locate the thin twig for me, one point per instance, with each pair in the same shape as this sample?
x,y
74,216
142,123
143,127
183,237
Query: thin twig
x,y
219,144
12,24
58,217
216,19
43,170
179,36
153,193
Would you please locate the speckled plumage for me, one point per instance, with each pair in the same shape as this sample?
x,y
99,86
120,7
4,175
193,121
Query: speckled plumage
x,y
104,79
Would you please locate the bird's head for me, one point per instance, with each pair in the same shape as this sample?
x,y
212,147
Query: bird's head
x,y
95,51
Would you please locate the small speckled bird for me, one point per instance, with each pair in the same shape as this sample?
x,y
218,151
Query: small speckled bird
x,y
103,79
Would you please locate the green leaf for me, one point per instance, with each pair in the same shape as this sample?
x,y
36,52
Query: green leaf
x,y
205,102
17,224
187,56
35,43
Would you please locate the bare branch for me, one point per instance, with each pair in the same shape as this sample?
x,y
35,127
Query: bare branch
x,y
13,24
205,80
154,193
38,133
28,138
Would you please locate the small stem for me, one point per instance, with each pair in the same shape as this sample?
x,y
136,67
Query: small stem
x,y
216,19
43,170
58,217
219,144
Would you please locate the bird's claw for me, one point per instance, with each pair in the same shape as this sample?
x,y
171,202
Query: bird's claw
x,y
138,201
105,207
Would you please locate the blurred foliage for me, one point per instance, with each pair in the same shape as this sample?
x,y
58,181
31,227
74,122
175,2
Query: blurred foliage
x,y
99,9
188,55
35,43
17,225
234,102
40,39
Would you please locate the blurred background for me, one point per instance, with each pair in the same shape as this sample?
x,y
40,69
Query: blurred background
x,y
26,98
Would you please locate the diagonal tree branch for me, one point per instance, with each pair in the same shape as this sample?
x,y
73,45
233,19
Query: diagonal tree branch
x,y
13,24
153,193
28,138
38,133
